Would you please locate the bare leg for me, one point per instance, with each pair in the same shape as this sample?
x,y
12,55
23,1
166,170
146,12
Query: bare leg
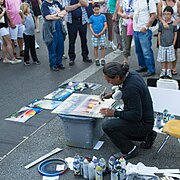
x,y
96,52
9,48
37,23
174,64
102,52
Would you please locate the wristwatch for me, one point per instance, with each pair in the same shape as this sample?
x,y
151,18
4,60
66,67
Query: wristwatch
x,y
57,15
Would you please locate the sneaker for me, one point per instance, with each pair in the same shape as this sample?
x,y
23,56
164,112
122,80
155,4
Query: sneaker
x,y
97,62
60,66
37,62
15,61
169,73
64,56
148,74
103,62
112,45
149,141
54,69
118,51
163,73
134,152
37,45
26,63
86,59
7,61
141,69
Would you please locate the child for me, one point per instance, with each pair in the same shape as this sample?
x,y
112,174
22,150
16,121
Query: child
x,y
28,35
166,41
4,33
98,26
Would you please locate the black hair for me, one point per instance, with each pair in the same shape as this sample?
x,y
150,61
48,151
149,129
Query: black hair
x,y
96,5
168,9
113,69
172,0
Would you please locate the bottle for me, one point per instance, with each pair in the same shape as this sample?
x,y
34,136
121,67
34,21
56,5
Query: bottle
x,y
98,173
158,120
76,165
114,174
91,171
85,168
102,163
95,161
81,160
111,162
172,117
122,162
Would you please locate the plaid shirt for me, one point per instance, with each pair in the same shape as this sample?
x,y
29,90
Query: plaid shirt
x,y
84,14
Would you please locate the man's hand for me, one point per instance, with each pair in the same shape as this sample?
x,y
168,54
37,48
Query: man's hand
x,y
107,112
143,29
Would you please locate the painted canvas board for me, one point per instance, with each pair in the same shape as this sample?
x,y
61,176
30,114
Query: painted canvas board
x,y
59,94
45,104
83,105
23,114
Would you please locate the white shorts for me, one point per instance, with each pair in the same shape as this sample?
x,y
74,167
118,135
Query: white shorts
x,y
4,31
16,32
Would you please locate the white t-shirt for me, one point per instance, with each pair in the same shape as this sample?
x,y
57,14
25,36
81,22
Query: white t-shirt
x,y
142,14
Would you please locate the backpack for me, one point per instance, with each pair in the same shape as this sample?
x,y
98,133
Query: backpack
x,y
155,21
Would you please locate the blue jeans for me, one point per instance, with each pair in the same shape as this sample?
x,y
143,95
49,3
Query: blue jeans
x,y
56,48
144,51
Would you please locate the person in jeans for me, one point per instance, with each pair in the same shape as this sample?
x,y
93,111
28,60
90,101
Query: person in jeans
x,y
52,13
28,34
144,16
136,120
77,23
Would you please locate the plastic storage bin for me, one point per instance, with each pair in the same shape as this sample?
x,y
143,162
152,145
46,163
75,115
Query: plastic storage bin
x,y
82,132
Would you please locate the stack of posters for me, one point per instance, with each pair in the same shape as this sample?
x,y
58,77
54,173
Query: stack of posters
x,y
83,105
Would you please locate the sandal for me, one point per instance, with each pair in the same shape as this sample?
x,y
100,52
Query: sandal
x,y
174,72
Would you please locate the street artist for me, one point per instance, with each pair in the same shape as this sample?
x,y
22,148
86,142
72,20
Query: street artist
x,y
135,122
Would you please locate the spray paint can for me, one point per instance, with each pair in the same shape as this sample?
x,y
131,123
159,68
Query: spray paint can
x,y
114,174
81,161
111,162
122,162
165,116
91,171
158,120
85,168
76,165
122,174
102,163
98,173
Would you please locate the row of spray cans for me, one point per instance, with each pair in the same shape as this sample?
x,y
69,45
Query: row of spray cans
x,y
89,169
117,168
95,169
163,118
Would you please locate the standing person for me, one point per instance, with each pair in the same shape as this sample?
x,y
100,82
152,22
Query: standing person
x,y
105,10
126,11
15,24
4,33
175,4
37,12
77,22
136,120
166,41
28,34
98,27
144,16
52,13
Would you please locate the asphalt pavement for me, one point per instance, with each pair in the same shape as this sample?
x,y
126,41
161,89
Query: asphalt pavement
x,y
22,143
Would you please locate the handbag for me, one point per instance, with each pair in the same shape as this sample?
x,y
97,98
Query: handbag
x,y
130,31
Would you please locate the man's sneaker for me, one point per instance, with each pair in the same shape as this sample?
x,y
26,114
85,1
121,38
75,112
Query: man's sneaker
x,y
97,62
7,61
169,73
163,73
26,63
37,62
103,62
37,45
16,61
86,59
64,57
134,152
149,141
112,45
118,51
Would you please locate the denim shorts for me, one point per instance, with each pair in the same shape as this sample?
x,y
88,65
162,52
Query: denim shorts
x,y
101,40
